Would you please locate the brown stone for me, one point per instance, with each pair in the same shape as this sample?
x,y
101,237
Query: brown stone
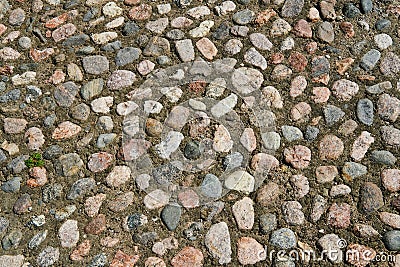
x,y
141,12
97,225
298,61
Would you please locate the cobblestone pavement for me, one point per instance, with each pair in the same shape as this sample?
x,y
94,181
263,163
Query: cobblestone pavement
x,y
199,133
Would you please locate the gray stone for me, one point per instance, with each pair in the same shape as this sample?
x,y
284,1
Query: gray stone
x,y
311,133
170,215
379,87
383,157
113,46
165,174
157,46
369,60
18,164
130,28
69,164
4,223
241,31
390,64
268,223
92,88
332,114
80,112
11,240
81,187
350,10
145,238
292,8
271,140
192,150
222,31
4,7
371,198
11,95
232,161
365,111
253,57
76,40
53,152
283,238
12,186
243,17
211,186
185,50
25,42
127,55
99,260
51,192
291,133
353,170
382,24
37,239
175,34
391,239
95,64
366,6
105,139
391,135
325,32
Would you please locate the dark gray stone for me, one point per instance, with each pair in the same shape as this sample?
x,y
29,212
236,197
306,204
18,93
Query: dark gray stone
x,y
311,133
365,111
332,114
51,192
114,46
268,223
222,31
171,215
130,28
127,55
283,238
350,10
12,186
392,240
12,95
175,34
369,60
192,150
99,260
11,240
76,40
165,174
383,157
65,94
53,152
18,164
81,187
145,238
382,24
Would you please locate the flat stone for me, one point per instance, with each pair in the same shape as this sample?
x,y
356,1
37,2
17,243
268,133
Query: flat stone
x,y
325,32
240,181
298,156
369,60
243,211
127,55
361,145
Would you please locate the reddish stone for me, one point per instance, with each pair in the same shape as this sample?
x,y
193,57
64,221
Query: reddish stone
x,y
311,48
141,12
298,61
330,147
391,179
343,65
121,202
321,94
100,161
339,215
131,2
359,255
264,16
63,32
81,251
277,58
298,156
40,177
303,29
267,194
188,256
39,55
109,242
197,87
300,111
6,70
189,198
347,28
55,22
97,225
3,28
124,260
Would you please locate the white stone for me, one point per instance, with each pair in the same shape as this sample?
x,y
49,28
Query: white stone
x,y
102,104
241,181
169,145
224,106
